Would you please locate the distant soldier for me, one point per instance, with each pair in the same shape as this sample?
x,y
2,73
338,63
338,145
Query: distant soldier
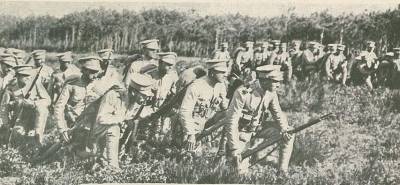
x,y
7,62
366,65
336,66
261,56
295,57
309,60
223,53
165,88
249,108
19,54
30,113
282,58
39,57
275,46
108,70
150,48
395,74
68,71
245,59
202,97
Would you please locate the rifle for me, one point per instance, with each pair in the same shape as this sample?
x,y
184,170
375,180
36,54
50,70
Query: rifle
x,y
273,141
13,121
217,117
131,129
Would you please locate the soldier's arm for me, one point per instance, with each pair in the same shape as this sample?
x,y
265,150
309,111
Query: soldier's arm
x,y
277,113
328,67
59,107
233,115
111,109
186,110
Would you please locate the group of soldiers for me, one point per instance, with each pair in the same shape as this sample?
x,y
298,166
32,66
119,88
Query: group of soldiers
x,y
109,113
329,63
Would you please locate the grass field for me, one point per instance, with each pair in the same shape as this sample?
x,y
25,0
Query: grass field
x,y
359,145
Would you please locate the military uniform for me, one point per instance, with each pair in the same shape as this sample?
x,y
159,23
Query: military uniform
x,y
219,54
7,62
336,66
34,107
309,60
367,64
282,58
19,54
46,72
245,59
395,73
247,110
295,56
139,65
201,100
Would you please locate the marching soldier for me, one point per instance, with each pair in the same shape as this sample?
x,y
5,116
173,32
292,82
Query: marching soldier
x,y
68,71
248,109
165,88
282,58
108,70
261,56
396,69
149,57
7,62
223,53
35,107
245,59
367,64
39,57
275,46
309,60
202,97
336,66
116,108
19,54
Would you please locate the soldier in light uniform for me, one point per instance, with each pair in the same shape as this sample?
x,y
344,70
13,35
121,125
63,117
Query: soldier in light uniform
x,y
282,58
367,64
165,88
275,47
68,71
223,53
245,59
108,70
149,56
39,57
248,109
116,108
7,62
202,97
261,56
19,54
33,108
336,66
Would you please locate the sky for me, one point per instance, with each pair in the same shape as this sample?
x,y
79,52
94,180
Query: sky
x,y
254,8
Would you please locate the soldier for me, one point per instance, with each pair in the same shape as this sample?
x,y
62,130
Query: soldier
x,y
336,66
395,77
19,54
245,59
223,53
202,97
35,107
188,75
261,56
39,56
165,88
149,56
309,60
248,109
275,46
282,58
295,56
77,96
367,64
7,62
68,71
108,70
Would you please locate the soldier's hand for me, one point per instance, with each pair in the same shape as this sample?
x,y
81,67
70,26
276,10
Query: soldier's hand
x,y
191,142
286,136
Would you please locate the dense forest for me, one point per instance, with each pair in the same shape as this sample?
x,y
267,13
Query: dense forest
x,y
190,34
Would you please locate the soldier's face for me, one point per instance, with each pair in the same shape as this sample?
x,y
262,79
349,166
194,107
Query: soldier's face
x,y
150,53
5,68
63,65
89,75
397,53
218,76
370,48
39,62
282,48
270,85
164,68
23,80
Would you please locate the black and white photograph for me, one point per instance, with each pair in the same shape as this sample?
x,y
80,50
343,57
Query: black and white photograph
x,y
127,92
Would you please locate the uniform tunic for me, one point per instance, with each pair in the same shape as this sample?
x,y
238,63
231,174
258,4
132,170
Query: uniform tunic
x,y
336,66
200,99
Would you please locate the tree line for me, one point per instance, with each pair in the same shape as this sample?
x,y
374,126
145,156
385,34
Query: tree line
x,y
190,34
